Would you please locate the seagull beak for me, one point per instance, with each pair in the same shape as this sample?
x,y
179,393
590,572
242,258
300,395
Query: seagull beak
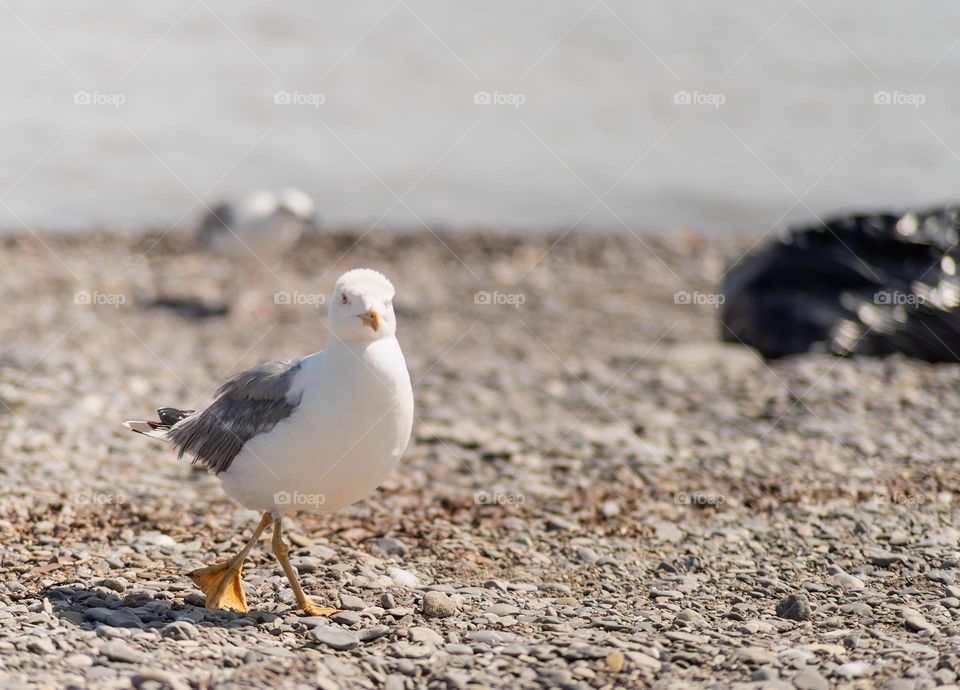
x,y
371,318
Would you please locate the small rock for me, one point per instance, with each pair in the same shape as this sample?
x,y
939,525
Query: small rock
x,y
853,669
587,555
348,618
389,546
846,581
79,661
438,605
179,630
422,634
334,638
118,650
610,509
914,620
352,603
42,645
615,661
404,578
795,607
810,679
371,634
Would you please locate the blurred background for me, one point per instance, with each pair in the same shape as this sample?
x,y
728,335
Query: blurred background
x,y
516,115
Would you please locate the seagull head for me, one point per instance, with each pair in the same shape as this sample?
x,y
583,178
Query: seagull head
x,y
362,306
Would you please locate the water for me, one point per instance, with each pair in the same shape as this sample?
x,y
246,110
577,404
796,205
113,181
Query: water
x,y
587,109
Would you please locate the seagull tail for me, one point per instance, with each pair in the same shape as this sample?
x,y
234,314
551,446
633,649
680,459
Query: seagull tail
x,y
168,417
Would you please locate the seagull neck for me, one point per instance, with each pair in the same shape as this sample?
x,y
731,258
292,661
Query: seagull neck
x,y
353,348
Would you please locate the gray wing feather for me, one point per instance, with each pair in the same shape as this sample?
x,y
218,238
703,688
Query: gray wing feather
x,y
250,403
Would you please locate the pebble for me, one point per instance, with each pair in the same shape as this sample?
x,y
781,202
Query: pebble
x,y
42,645
352,603
615,661
421,634
438,605
847,581
179,630
914,620
374,633
794,607
116,618
810,679
334,638
389,546
118,650
853,669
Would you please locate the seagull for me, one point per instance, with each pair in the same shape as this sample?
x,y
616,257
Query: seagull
x,y
262,225
317,433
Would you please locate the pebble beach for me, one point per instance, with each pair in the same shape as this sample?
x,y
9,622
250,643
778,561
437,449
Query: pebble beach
x,y
599,493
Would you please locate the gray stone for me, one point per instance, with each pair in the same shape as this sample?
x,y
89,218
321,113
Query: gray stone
x,y
179,630
118,650
334,638
352,603
794,607
422,634
810,679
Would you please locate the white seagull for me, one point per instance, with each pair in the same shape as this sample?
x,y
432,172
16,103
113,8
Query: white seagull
x,y
317,433
263,225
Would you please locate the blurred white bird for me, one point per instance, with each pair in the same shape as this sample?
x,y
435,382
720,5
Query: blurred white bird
x,y
260,227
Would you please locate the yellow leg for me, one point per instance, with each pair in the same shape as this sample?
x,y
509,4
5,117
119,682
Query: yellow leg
x,y
281,551
221,582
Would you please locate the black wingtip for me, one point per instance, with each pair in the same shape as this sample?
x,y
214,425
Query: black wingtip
x,y
171,415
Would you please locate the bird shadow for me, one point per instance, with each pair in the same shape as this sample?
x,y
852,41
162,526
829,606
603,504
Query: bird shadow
x,y
92,608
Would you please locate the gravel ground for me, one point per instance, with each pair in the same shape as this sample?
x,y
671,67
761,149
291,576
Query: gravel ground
x,y
598,493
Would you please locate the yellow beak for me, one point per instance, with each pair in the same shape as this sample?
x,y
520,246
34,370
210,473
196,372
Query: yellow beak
x,y
371,318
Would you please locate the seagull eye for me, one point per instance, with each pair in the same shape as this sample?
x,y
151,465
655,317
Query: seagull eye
x,y
344,299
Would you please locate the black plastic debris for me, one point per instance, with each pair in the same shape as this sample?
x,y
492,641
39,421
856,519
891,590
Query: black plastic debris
x,y
871,284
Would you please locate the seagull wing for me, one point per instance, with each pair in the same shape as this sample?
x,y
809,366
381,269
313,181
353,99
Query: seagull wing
x,y
250,403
